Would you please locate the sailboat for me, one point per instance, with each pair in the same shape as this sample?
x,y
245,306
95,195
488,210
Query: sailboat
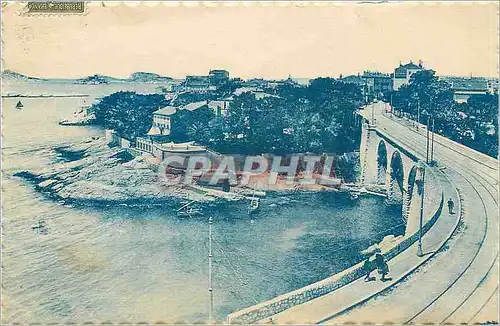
x,y
19,105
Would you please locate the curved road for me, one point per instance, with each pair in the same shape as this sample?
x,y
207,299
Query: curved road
x,y
460,284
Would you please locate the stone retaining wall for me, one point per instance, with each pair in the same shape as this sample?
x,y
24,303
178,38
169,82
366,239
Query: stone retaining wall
x,y
283,302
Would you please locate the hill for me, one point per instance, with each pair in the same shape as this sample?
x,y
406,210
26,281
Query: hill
x,y
12,75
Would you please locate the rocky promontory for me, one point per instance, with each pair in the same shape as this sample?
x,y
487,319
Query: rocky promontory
x,y
90,172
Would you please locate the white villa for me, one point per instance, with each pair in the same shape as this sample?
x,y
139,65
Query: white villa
x,y
161,122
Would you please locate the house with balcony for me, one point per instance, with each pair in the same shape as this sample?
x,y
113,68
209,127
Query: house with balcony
x,y
157,136
161,122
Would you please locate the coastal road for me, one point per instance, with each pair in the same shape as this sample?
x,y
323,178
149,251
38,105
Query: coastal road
x,y
460,284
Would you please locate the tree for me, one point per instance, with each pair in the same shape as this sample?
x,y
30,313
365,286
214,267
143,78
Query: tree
x,y
128,113
347,167
474,123
229,87
482,118
191,125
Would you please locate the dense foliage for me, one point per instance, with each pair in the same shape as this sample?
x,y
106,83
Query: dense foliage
x,y
128,113
191,125
316,119
474,123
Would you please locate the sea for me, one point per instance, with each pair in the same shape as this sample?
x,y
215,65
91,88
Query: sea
x,y
145,264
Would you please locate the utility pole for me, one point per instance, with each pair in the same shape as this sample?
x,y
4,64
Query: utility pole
x,y
392,108
210,289
418,111
373,115
427,146
421,218
432,143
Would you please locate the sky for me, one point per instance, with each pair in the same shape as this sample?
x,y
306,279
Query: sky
x,y
252,39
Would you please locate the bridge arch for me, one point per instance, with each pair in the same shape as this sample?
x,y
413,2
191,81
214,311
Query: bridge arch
x,y
412,177
396,179
381,162
413,200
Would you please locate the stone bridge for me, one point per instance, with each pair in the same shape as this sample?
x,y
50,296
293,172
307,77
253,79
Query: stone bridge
x,y
384,162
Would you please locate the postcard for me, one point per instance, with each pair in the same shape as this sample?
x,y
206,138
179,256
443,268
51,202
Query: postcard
x,y
250,162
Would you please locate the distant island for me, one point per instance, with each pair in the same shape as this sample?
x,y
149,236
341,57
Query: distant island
x,y
136,77
94,80
148,77
97,79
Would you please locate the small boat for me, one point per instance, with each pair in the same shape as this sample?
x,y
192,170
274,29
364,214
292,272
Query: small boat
x,y
19,105
354,195
254,205
189,212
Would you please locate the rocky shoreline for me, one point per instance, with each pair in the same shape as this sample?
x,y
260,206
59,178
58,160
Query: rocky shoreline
x,y
92,173
78,119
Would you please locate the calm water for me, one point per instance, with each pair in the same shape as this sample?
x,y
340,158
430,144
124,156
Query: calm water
x,y
131,264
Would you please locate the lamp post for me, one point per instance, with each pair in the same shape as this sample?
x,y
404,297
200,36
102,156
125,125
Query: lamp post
x,y
421,187
427,141
373,115
210,289
418,111
432,143
392,107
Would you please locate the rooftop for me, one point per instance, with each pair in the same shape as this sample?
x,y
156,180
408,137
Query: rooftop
x,y
402,69
181,147
220,71
242,90
169,110
467,83
193,106
259,93
355,79
375,74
